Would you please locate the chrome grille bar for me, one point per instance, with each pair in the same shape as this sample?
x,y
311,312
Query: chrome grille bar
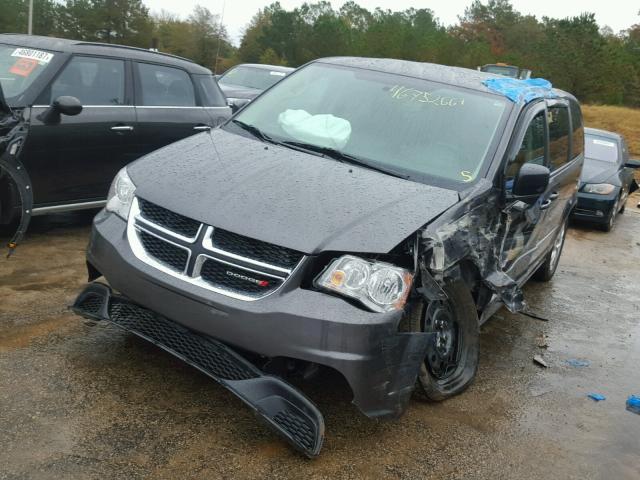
x,y
200,250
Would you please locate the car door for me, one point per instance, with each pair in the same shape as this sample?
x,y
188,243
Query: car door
x,y
167,106
525,226
565,162
75,159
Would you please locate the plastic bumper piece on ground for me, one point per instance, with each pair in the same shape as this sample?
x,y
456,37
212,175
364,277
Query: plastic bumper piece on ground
x,y
284,408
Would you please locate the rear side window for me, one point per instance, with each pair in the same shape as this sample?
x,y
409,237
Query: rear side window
x,y
577,142
165,86
532,147
93,80
211,94
558,117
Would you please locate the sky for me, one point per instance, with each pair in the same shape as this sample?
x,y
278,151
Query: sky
x,y
617,14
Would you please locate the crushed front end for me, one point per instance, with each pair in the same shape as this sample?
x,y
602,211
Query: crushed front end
x,y
246,295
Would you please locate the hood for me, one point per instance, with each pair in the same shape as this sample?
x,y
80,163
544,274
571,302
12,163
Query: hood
x,y
239,92
597,171
285,197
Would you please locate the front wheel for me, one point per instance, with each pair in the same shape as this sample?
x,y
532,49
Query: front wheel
x,y
451,361
611,219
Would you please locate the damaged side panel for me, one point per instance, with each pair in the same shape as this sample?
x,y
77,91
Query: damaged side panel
x,y
472,231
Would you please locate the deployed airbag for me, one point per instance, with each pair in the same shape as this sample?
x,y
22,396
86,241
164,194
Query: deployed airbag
x,y
324,130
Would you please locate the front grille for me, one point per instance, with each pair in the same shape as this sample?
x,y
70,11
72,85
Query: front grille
x,y
217,260
237,280
175,222
584,211
255,249
196,350
166,253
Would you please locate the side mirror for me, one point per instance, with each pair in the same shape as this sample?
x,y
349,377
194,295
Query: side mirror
x,y
64,105
532,180
237,103
632,163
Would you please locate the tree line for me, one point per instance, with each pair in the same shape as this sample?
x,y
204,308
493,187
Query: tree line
x,y
200,36
576,54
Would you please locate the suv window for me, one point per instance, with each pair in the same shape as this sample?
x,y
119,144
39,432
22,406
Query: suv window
x,y
577,139
211,94
19,67
165,86
558,136
93,80
531,149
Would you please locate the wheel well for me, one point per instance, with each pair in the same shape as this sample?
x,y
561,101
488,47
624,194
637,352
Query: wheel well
x,y
9,198
469,273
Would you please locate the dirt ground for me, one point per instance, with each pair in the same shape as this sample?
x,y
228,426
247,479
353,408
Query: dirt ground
x,y
80,402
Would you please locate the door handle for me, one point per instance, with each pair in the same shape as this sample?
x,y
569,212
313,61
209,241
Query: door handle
x,y
546,204
122,128
553,196
202,127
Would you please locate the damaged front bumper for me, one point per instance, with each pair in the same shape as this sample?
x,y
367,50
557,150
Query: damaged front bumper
x,y
284,408
379,363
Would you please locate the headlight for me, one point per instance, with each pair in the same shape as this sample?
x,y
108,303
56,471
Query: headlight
x,y
121,194
598,188
380,286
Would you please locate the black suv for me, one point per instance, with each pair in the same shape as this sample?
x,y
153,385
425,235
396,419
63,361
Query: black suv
x,y
366,215
84,110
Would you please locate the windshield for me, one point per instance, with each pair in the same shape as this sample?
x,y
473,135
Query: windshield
x,y
19,67
251,77
404,125
600,148
502,70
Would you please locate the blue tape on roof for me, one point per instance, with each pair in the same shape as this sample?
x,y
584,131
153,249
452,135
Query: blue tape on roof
x,y
521,90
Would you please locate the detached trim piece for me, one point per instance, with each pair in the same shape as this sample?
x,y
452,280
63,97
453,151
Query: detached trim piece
x,y
70,207
285,409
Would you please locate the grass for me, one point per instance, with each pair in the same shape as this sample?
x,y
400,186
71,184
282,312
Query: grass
x,y
623,120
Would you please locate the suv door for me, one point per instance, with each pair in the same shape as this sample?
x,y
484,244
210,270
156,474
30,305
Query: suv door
x,y
75,159
565,163
525,225
167,106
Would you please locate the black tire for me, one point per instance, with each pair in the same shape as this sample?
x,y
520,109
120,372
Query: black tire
x,y
548,268
436,382
621,204
611,219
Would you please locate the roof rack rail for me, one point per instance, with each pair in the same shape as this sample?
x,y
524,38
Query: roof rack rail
x,y
115,45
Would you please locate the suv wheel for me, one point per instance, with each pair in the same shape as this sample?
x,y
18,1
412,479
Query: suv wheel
x,y
548,268
452,357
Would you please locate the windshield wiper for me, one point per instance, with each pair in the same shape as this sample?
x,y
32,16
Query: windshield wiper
x,y
255,131
342,157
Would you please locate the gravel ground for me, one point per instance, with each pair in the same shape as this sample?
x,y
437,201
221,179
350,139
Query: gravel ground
x,y
89,401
